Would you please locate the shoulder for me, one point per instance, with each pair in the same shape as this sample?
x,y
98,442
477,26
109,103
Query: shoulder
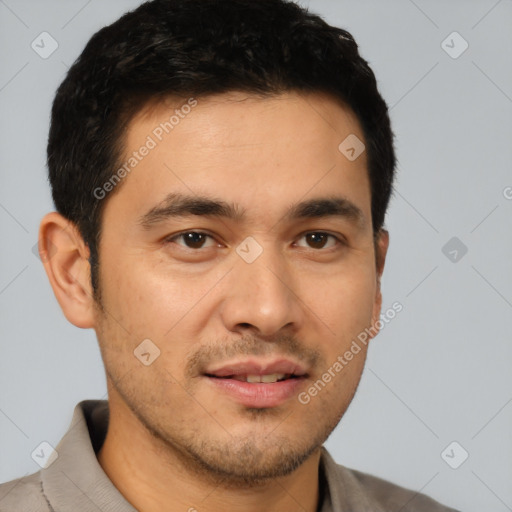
x,y
390,495
23,495
374,493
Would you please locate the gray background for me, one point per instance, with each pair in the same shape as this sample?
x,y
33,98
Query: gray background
x,y
441,370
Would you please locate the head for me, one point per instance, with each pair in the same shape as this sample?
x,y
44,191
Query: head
x,y
206,202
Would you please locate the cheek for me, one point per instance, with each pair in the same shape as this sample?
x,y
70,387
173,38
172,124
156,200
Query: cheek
x,y
151,299
344,300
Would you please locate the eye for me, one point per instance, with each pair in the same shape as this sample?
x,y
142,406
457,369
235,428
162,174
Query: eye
x,y
199,240
319,240
192,239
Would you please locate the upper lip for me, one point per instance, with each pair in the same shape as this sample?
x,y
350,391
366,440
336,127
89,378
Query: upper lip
x,y
255,367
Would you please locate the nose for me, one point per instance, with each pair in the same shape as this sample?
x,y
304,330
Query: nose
x,y
262,297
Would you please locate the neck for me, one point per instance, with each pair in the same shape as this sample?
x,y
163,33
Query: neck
x,y
154,478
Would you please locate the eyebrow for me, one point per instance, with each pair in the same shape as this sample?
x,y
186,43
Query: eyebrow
x,y
176,205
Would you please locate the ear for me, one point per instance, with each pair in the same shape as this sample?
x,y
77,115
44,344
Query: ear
x,y
65,258
381,248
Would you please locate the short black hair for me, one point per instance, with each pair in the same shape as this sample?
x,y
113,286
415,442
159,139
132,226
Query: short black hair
x,y
198,48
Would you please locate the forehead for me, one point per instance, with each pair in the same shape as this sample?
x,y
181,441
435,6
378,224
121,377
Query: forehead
x,y
238,117
249,150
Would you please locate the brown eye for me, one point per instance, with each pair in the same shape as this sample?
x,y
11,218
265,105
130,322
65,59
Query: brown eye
x,y
192,239
319,240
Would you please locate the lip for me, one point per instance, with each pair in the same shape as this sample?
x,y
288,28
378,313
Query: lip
x,y
257,395
257,367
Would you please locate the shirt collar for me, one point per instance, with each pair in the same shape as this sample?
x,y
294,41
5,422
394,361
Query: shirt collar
x,y
76,481
343,492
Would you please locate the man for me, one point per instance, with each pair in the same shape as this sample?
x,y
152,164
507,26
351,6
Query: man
x,y
221,173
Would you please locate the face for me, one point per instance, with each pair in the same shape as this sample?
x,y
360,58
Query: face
x,y
241,246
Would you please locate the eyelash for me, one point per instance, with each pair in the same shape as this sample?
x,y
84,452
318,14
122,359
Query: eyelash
x,y
339,241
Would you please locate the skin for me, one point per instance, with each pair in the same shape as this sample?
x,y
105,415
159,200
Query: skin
x,y
175,442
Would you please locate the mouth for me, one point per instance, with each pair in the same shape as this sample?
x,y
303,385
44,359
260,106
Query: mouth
x,y
258,384
268,378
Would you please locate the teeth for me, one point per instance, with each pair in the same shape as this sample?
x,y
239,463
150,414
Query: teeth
x,y
273,377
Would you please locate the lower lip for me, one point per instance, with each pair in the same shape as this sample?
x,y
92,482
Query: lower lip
x,y
259,395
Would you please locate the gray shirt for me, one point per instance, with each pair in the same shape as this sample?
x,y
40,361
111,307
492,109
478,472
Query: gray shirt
x,y
75,481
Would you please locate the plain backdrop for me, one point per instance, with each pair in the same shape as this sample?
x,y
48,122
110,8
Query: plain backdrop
x,y
440,372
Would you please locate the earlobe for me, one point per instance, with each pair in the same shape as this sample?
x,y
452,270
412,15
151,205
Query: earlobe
x,y
65,258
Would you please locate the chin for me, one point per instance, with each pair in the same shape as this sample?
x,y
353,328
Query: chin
x,y
248,463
